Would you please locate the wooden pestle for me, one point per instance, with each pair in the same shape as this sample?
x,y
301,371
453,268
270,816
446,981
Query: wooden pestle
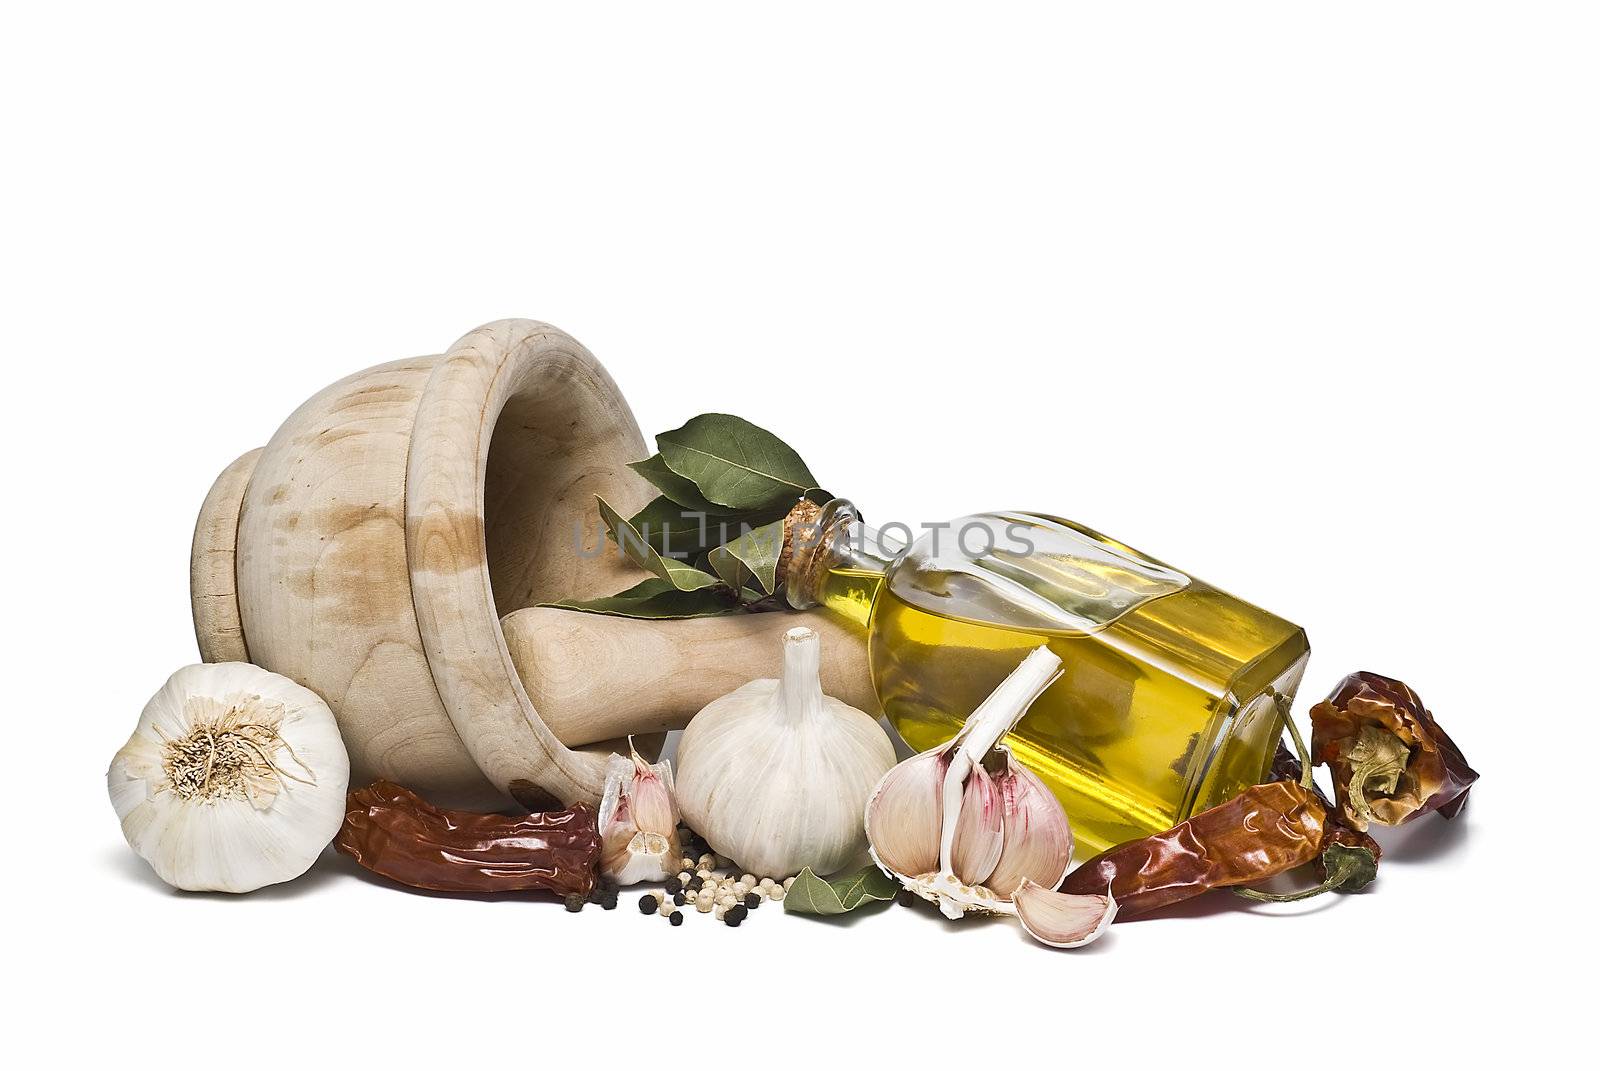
x,y
593,677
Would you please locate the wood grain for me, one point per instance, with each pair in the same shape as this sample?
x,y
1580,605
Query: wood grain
x,y
369,550
593,677
324,591
212,595
573,434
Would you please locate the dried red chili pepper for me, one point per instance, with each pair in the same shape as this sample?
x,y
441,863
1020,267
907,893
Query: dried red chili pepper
x,y
394,832
1261,832
1390,760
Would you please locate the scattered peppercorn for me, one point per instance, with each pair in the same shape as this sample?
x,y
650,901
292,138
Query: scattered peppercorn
x,y
575,901
676,918
609,901
907,898
648,904
674,886
679,899
739,911
752,900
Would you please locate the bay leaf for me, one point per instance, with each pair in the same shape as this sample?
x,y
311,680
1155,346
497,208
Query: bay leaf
x,y
811,895
654,599
638,550
684,534
736,464
679,489
753,555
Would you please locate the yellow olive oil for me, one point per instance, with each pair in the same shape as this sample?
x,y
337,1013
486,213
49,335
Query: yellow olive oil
x,y
1172,693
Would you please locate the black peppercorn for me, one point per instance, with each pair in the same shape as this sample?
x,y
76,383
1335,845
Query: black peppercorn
x,y
906,898
676,918
736,914
609,901
679,899
674,886
575,901
731,919
648,905
752,900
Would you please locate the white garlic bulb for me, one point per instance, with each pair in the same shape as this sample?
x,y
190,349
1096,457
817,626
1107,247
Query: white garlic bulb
x,y
775,775
235,778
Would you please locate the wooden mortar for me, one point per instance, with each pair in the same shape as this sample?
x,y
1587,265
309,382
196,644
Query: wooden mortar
x,y
369,550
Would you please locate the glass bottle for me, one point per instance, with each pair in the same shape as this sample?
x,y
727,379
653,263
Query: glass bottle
x,y
1173,693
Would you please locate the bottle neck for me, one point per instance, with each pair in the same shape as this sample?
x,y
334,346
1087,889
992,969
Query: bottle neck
x,y
838,562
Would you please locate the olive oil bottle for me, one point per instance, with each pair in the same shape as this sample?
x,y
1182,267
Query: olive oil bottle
x,y
1173,693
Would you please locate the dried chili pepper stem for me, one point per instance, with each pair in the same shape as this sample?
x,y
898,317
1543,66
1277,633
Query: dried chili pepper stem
x,y
1347,869
1300,747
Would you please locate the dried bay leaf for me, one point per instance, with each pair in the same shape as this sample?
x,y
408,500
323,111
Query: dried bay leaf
x,y
811,895
736,464
679,489
720,547
751,556
654,599
639,551
677,532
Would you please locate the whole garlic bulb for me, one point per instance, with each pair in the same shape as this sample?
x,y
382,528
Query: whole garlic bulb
x,y
775,775
235,778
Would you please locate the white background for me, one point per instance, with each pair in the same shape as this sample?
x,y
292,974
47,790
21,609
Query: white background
x,y
1301,298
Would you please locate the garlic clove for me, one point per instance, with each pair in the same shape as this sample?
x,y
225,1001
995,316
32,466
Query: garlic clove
x,y
651,798
904,815
980,835
1062,920
1038,836
638,822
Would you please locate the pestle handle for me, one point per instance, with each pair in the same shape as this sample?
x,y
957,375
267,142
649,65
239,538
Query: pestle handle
x,y
592,677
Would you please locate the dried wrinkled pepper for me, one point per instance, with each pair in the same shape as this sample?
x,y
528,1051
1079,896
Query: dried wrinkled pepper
x,y
1390,760
394,832
1263,831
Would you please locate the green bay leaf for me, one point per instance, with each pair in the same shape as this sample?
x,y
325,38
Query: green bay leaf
x,y
679,489
654,599
753,555
677,532
735,464
638,550
811,895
